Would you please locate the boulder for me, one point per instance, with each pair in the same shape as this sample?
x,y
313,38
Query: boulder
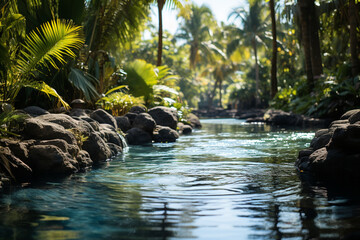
x,y
72,149
131,116
18,148
348,114
164,116
321,141
115,149
84,160
165,134
145,122
138,109
97,148
111,136
184,128
36,128
102,116
137,136
49,160
35,111
194,120
14,167
78,112
123,123
62,119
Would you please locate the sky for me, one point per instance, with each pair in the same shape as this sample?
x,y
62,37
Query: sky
x,y
220,8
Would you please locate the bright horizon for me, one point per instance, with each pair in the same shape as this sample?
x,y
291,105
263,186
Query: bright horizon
x,y
220,8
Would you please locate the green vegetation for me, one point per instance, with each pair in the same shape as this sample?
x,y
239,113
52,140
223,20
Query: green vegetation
x,y
300,56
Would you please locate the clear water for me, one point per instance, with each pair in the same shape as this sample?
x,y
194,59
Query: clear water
x,y
230,180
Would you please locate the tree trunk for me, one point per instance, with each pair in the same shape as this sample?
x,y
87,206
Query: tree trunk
x,y
257,80
353,39
212,95
304,11
220,92
160,36
273,89
316,62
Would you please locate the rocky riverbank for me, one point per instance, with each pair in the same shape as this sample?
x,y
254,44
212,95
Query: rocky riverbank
x,y
334,152
65,143
280,118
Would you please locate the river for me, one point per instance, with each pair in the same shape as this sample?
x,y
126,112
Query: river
x,y
229,180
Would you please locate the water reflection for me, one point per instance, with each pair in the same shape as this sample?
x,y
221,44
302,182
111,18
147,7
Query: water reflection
x,y
230,180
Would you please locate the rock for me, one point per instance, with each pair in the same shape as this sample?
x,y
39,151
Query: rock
x,y
194,120
321,132
111,136
145,122
255,120
137,136
97,148
78,103
84,160
62,119
165,134
18,148
39,129
186,130
348,114
115,149
49,160
15,168
73,150
35,111
354,117
285,119
320,142
306,152
102,116
123,123
335,124
164,116
131,117
138,109
77,112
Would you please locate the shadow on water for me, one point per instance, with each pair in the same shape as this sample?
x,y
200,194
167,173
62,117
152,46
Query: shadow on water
x,y
230,180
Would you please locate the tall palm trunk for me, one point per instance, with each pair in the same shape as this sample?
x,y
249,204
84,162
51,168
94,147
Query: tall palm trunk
x,y
316,62
160,36
257,80
353,39
220,92
273,89
304,11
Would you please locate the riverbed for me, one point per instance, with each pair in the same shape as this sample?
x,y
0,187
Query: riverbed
x,y
229,180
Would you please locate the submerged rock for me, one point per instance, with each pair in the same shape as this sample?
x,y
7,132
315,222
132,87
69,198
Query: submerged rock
x,y
165,134
137,136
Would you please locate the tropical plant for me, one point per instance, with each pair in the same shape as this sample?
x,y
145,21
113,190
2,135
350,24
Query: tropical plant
x,y
10,120
45,48
251,33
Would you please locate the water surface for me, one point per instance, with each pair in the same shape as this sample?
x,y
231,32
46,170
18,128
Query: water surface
x,y
230,180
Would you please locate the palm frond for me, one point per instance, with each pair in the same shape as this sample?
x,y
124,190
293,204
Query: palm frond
x,y
84,82
49,46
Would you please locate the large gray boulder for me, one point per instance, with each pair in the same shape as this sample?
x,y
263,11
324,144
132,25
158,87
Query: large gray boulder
x,y
49,160
61,119
164,116
102,116
36,128
97,148
137,136
165,134
145,122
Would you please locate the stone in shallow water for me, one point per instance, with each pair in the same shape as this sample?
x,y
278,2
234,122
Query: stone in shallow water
x,y
137,136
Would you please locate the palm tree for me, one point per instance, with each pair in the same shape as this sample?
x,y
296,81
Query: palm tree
x,y
273,89
160,5
354,24
195,30
251,34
